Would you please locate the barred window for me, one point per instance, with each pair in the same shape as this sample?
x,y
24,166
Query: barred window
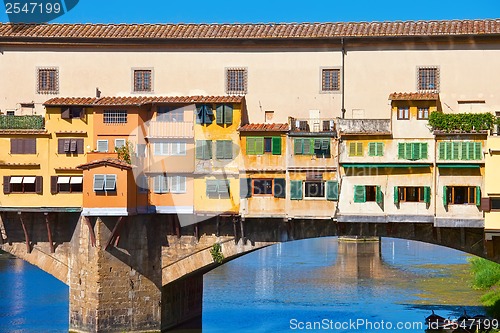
x,y
330,79
428,79
115,117
236,80
143,80
47,81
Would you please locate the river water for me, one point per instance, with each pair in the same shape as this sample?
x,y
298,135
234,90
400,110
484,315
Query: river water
x,y
337,286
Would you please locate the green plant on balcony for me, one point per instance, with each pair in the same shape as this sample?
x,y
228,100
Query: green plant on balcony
x,y
216,252
461,122
125,152
21,122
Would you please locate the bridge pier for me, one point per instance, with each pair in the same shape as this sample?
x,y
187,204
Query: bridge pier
x,y
117,289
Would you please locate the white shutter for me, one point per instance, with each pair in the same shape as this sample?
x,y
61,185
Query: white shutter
x,y
102,146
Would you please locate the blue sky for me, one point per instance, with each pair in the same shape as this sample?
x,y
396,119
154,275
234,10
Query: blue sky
x,y
254,11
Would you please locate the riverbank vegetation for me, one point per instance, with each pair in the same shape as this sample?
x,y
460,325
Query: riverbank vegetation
x,y
486,276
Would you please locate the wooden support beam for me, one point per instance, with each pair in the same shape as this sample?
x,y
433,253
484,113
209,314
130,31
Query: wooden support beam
x,y
177,225
3,232
217,226
115,234
86,220
235,230
196,232
49,233
242,229
26,236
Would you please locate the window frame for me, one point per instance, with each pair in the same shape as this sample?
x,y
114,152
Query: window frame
x,y
422,85
322,184
406,113
113,117
358,150
421,113
236,85
52,86
102,141
471,193
72,187
271,180
330,88
144,87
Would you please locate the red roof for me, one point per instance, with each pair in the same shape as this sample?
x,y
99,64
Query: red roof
x,y
414,96
250,31
114,162
141,100
264,128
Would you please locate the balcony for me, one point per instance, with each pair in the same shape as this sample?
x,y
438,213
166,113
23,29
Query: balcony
x,y
162,129
320,126
21,122
364,126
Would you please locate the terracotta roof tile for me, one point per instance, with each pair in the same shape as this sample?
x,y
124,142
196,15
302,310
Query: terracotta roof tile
x,y
106,161
23,132
264,128
20,164
141,100
253,31
414,96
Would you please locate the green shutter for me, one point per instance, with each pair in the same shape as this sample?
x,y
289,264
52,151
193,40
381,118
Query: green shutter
x,y
259,146
297,146
359,193
296,189
379,147
445,195
455,149
245,188
427,194
228,150
317,144
219,149
325,144
219,114
212,187
448,150
223,187
478,151
251,146
228,114
276,145
279,187
359,148
332,190
372,149
308,146
415,151
207,152
442,151
423,151
396,195
379,197
408,151
352,148
401,150
199,149
478,196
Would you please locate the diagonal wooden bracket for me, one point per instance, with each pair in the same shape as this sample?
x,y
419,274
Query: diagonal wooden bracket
x,y
86,220
49,233
115,234
26,236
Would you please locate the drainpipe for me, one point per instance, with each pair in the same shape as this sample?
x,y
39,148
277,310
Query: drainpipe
x,y
343,77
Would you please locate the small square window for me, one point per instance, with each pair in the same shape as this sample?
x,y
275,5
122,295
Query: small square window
x,y
330,79
143,80
236,81
47,81
403,113
428,79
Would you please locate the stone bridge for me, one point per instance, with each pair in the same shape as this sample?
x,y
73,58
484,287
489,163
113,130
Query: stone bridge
x,y
144,273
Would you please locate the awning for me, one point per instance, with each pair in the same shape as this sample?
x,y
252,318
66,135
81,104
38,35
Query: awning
x,y
16,180
29,180
384,165
63,180
76,180
459,166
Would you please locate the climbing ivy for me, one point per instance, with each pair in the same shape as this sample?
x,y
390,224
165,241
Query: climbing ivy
x,y
462,122
216,252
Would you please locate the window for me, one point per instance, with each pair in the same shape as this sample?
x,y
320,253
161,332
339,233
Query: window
x,y
462,195
115,117
269,187
224,114
217,188
70,146
355,149
169,115
330,79
423,113
169,184
460,150
203,149
170,148
23,146
260,145
375,149
224,149
143,80
102,146
367,193
322,148
11,112
119,143
236,80
314,189
412,194
47,81
304,146
72,112
204,114
22,184
66,184
428,79
104,183
412,151
403,113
